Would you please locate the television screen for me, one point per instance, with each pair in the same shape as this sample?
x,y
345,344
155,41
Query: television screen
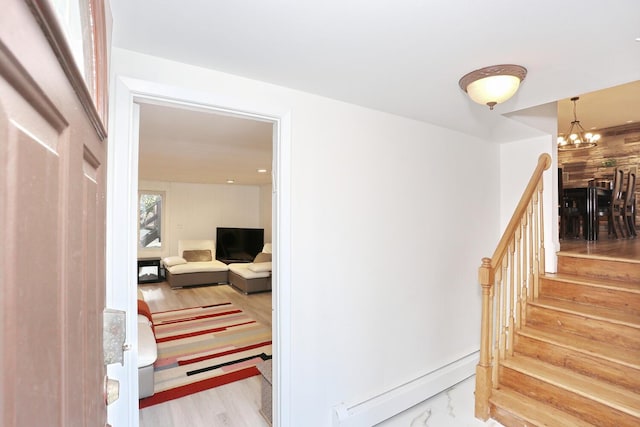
x,y
238,244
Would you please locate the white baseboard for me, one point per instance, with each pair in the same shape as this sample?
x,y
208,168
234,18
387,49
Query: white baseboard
x,y
385,405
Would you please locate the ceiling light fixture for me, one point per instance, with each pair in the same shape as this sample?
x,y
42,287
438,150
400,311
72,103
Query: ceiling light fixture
x,y
262,171
493,85
230,181
576,137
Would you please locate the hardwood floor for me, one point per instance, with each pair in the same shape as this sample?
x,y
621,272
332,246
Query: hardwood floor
x,y
236,404
624,249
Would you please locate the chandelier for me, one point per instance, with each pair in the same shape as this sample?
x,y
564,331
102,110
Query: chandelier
x,y
576,137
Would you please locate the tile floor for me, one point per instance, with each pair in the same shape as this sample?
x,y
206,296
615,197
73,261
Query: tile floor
x,y
451,408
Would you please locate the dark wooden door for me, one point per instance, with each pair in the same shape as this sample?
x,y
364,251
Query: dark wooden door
x,y
52,228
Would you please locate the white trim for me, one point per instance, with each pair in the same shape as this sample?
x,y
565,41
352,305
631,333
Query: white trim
x,y
121,268
392,402
281,318
122,190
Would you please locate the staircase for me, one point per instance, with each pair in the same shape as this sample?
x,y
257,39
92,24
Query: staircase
x,y
576,358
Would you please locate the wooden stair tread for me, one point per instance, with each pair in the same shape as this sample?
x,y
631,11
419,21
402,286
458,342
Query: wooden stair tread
x,y
533,411
608,257
591,388
596,282
601,313
611,352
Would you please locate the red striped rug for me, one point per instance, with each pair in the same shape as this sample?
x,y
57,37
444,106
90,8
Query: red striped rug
x,y
204,347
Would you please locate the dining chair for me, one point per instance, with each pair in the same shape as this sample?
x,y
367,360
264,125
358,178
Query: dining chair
x,y
571,218
629,204
614,210
617,205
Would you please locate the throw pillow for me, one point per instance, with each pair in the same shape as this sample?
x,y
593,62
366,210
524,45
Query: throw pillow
x,y
262,257
143,308
170,261
260,267
197,255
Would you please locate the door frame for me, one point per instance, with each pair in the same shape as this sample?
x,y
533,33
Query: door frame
x,y
122,193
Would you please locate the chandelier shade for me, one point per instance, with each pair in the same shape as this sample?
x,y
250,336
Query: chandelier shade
x,y
576,138
493,85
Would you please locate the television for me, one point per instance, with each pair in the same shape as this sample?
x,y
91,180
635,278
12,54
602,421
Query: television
x,y
238,244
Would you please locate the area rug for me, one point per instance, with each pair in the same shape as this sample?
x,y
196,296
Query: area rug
x,y
204,347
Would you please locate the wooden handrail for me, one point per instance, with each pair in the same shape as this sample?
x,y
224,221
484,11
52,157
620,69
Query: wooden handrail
x,y
511,277
544,163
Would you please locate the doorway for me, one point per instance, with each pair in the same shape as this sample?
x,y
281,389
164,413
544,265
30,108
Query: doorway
x,y
122,245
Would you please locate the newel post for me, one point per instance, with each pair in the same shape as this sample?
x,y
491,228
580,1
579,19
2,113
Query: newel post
x,y
483,369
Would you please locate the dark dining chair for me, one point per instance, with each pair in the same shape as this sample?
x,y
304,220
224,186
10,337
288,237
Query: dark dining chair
x,y
614,208
571,218
629,204
617,204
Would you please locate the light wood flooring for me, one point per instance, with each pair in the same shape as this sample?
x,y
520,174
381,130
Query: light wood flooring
x,y
236,404
625,249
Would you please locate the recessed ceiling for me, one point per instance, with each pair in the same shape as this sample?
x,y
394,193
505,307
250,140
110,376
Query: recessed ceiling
x,y
186,145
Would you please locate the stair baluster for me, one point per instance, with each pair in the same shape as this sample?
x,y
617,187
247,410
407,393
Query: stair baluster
x,y
501,294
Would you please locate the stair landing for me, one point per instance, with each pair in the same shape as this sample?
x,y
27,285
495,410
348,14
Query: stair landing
x,y
616,249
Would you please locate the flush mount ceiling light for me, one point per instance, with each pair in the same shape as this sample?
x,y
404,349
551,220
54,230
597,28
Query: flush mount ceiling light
x,y
493,85
576,137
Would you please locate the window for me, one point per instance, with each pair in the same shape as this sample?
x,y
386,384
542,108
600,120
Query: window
x,y
150,222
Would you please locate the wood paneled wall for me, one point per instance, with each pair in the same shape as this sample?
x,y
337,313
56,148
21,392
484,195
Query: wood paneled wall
x,y
618,147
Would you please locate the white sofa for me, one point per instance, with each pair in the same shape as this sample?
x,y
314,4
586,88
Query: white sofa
x,y
195,264
255,276
147,350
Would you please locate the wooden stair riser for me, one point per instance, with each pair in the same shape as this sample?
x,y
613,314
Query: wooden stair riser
x,y
516,410
506,417
600,330
580,362
607,269
618,299
575,404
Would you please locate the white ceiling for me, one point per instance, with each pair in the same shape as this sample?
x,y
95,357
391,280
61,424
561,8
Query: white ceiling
x,y
181,145
406,57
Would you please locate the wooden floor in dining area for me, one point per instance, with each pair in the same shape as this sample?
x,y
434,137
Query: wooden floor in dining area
x,y
623,249
236,404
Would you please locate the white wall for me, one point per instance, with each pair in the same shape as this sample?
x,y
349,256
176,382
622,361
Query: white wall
x,y
517,161
389,220
193,211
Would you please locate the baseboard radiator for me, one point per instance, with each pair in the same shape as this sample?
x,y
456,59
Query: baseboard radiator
x,y
385,405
